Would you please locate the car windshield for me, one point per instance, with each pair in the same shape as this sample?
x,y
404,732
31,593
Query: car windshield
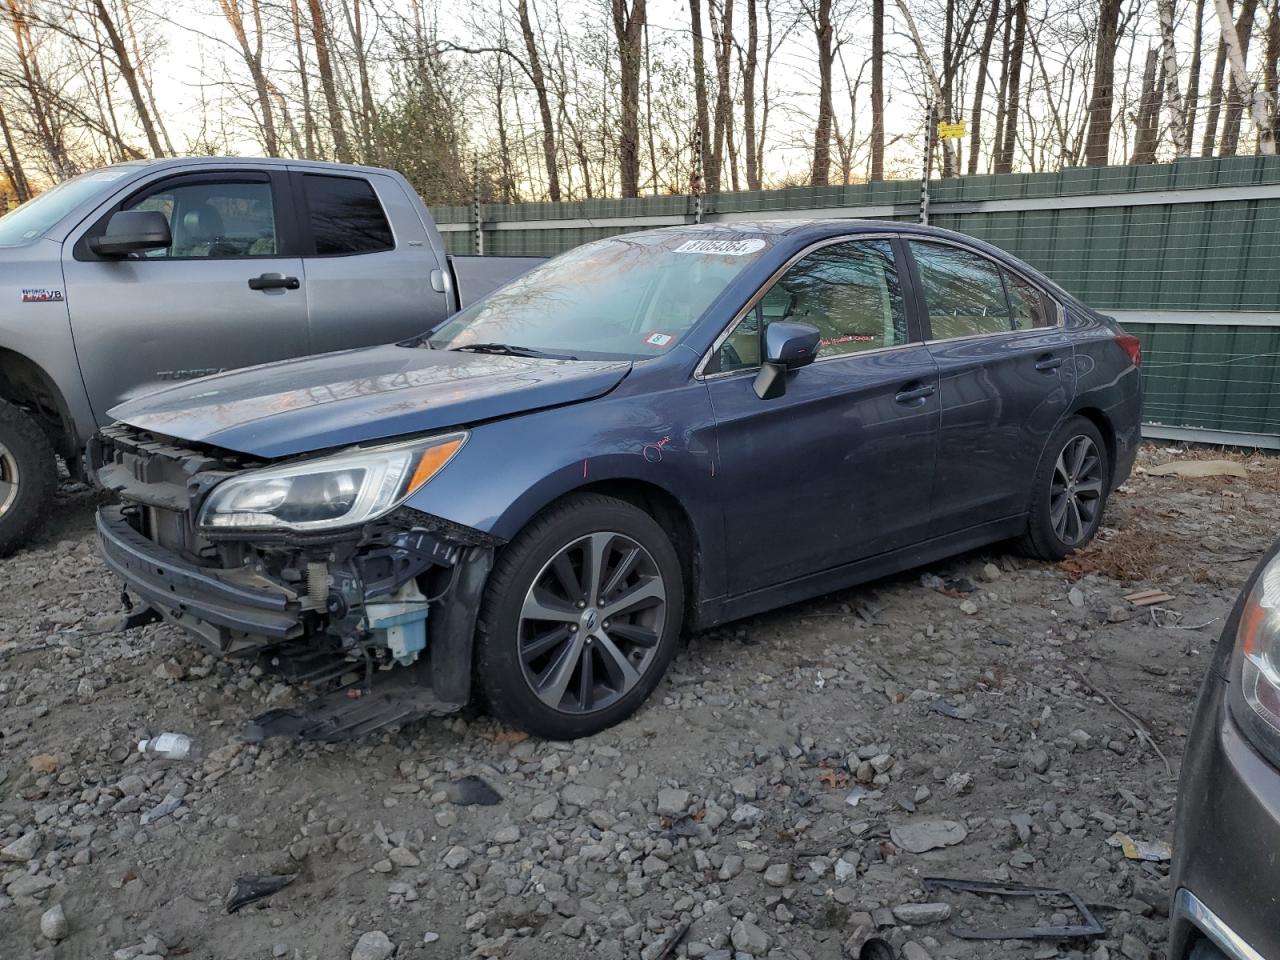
x,y
629,297
30,220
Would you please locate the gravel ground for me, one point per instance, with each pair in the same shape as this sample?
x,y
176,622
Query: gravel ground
x,y
783,794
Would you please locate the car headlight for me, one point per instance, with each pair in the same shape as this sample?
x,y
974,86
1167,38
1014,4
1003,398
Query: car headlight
x,y
339,491
1258,648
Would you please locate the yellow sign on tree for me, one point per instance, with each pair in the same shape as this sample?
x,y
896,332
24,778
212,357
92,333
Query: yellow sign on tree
x,y
948,131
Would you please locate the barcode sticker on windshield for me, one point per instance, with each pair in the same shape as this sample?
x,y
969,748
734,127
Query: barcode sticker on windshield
x,y
724,248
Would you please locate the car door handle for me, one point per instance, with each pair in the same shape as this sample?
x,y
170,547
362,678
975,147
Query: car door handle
x,y
914,392
1048,361
273,281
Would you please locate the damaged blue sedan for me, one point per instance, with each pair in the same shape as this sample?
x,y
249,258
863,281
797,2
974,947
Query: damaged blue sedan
x,y
646,436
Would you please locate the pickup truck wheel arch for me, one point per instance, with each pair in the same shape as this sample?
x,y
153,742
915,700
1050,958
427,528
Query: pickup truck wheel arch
x,y
28,476
24,384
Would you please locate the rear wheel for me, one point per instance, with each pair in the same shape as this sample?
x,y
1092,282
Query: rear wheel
x,y
580,618
28,476
1068,493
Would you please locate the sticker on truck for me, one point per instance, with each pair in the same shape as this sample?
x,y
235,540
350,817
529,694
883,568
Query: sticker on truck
x,y
40,295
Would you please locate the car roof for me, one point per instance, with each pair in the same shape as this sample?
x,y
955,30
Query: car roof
x,y
180,162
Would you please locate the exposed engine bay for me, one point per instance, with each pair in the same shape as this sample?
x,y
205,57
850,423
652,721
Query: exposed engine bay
x,y
377,618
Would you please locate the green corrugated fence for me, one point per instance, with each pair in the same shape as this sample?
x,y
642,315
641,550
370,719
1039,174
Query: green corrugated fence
x,y
1186,254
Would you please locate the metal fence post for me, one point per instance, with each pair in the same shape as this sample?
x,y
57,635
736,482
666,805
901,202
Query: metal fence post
x,y
928,164
477,225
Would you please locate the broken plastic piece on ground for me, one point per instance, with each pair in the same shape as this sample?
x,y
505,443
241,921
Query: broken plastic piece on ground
x,y
1199,468
251,889
951,710
1088,927
471,791
334,717
162,809
1153,851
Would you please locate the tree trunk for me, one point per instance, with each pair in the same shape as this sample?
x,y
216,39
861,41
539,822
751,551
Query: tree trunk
x,y
145,75
13,163
749,97
320,37
980,86
1239,90
825,35
1097,148
1173,95
125,64
722,48
1210,140
251,53
877,91
308,115
1271,61
628,27
1002,92
367,110
47,131
1013,92
1236,36
1191,102
711,177
539,80
1146,123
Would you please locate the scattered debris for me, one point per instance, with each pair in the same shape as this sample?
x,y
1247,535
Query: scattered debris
x,y
1144,598
946,709
1140,729
162,809
924,835
251,889
1043,896
1194,469
472,791
43,763
1152,851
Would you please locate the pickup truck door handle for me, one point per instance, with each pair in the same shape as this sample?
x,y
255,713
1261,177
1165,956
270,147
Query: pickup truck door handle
x,y
915,393
1047,361
273,281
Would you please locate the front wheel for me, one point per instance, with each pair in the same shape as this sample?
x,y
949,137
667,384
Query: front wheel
x,y
1069,492
580,618
28,476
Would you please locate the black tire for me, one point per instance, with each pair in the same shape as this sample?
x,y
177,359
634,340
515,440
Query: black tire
x,y
1045,537
26,458
505,634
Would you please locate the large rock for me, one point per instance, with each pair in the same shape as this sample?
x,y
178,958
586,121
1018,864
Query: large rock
x,y
580,795
749,938
918,914
374,945
924,835
672,803
53,924
23,849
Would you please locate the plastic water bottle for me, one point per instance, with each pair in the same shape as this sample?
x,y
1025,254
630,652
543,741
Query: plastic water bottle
x,y
170,746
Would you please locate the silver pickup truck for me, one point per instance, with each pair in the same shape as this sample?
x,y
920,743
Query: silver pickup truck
x,y
125,279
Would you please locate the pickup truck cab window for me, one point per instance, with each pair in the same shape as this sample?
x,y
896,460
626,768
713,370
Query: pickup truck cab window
x,y
345,216
849,291
215,220
963,291
628,297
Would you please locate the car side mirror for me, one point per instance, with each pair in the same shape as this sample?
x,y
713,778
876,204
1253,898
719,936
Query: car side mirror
x,y
133,231
787,346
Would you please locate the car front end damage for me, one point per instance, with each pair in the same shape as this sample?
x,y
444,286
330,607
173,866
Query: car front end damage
x,y
314,566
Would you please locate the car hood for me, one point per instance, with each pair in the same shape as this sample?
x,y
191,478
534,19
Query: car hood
x,y
355,396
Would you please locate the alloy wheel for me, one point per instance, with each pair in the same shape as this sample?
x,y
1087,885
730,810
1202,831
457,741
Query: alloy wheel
x,y
590,622
8,479
1075,490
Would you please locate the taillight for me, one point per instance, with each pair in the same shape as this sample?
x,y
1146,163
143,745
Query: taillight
x,y
1132,346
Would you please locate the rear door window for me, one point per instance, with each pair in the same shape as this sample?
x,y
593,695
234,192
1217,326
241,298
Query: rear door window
x,y
1031,306
963,290
345,216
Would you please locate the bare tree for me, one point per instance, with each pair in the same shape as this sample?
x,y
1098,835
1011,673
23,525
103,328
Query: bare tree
x,y
1191,102
1098,139
1007,138
1236,37
124,63
320,37
722,47
819,13
308,115
539,80
877,91
1173,95
251,51
628,28
1146,119
980,86
749,63
711,176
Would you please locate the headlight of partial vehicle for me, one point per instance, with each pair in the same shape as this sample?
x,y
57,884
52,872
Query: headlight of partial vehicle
x,y
1258,649
339,491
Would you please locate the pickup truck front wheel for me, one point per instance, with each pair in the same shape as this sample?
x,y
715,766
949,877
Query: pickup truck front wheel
x,y
28,476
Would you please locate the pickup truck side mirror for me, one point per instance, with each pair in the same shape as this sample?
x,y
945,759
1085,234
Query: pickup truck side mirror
x,y
133,231
787,346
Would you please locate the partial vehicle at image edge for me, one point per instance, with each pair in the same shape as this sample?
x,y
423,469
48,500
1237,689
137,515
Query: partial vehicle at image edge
x,y
130,278
648,435
1226,869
